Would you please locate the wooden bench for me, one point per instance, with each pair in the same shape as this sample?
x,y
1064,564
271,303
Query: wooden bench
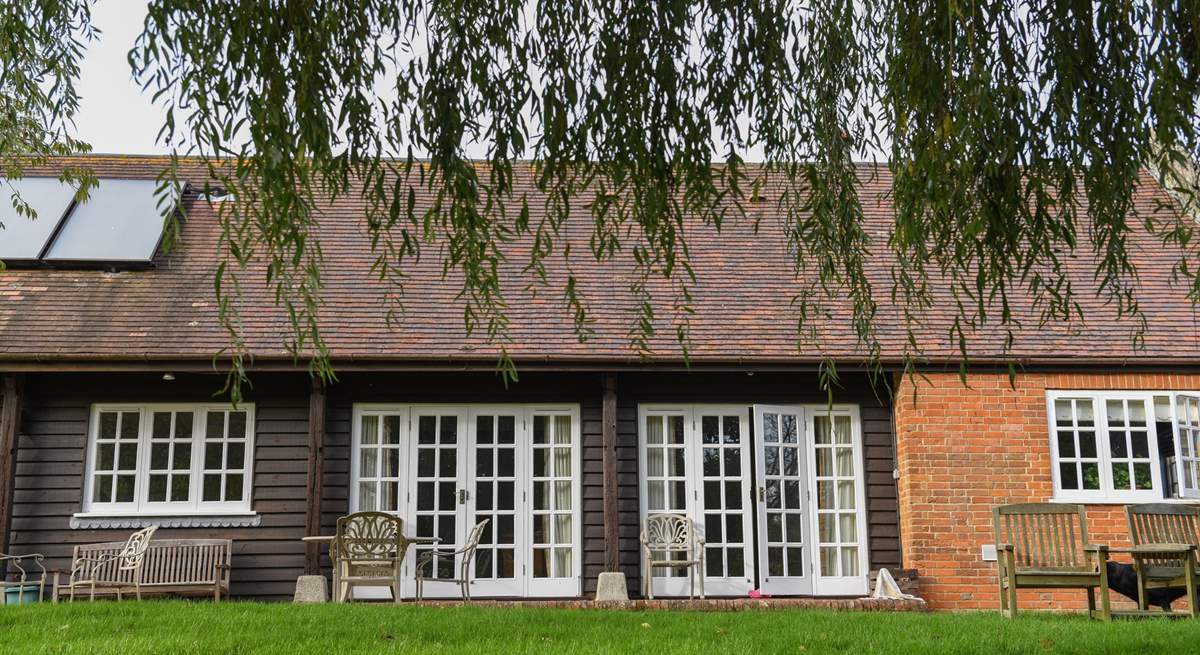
x,y
1045,546
1165,524
181,567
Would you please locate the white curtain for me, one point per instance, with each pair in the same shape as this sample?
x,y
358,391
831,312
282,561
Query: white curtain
x,y
656,497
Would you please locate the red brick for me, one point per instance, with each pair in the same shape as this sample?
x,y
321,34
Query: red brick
x,y
942,526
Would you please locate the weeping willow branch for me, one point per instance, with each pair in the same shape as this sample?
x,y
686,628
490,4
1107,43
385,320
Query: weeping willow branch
x,y
1015,134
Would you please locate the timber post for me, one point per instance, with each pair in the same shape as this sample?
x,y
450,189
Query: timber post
x,y
611,489
316,474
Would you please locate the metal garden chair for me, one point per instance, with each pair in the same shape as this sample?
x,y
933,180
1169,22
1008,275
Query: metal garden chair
x,y
368,551
670,541
427,562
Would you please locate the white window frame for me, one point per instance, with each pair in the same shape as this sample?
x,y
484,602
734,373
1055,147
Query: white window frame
x,y
1188,492
530,587
1107,494
141,505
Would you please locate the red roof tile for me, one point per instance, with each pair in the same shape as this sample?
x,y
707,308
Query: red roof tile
x,y
743,307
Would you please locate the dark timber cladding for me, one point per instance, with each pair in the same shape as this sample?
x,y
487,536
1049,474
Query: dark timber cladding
x,y
268,558
10,421
50,469
630,389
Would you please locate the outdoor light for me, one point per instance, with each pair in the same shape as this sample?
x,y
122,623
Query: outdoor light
x,y
168,377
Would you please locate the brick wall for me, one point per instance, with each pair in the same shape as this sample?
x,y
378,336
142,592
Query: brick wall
x,y
961,450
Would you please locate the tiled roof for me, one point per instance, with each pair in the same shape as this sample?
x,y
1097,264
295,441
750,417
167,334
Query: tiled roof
x,y
743,309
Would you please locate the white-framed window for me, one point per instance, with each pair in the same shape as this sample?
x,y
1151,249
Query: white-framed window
x,y
161,459
1124,446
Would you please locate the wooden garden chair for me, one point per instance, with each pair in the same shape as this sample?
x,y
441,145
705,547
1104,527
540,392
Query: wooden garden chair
x,y
673,539
368,551
427,563
1165,538
1045,546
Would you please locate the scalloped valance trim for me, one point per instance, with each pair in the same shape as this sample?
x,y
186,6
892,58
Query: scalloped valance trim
x,y
182,521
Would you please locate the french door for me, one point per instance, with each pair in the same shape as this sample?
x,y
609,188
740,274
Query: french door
x,y
783,511
446,468
784,516
696,462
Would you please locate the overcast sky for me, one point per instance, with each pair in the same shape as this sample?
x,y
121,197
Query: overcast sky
x,y
115,116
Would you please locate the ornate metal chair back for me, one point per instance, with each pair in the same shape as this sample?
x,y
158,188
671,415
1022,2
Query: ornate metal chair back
x,y
134,553
366,536
669,533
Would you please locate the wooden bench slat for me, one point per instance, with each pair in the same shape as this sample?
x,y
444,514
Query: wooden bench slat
x,y
1047,550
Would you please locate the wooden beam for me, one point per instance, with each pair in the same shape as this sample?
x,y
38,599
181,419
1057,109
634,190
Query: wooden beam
x,y
11,389
611,491
316,474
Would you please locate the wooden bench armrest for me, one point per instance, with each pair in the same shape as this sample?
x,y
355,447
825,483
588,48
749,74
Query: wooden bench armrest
x,y
1095,548
1005,548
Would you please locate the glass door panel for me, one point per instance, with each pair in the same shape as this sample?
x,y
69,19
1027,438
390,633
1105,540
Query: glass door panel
x,y
723,512
494,446
666,474
554,532
666,467
841,557
380,457
783,509
438,491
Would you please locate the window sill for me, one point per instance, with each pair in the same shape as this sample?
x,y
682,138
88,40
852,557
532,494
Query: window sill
x,y
108,520
1124,501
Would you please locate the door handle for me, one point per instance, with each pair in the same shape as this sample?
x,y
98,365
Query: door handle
x,y
762,494
463,494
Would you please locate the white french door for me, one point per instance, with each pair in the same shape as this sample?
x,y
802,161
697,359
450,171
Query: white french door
x,y
791,522
437,489
784,517
446,468
696,461
838,500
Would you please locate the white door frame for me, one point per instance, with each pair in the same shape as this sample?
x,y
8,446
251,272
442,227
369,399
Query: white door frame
x,y
526,585
462,512
788,585
694,478
496,587
836,585
823,585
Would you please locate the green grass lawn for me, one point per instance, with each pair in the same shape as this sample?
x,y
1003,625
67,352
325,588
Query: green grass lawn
x,y
183,627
